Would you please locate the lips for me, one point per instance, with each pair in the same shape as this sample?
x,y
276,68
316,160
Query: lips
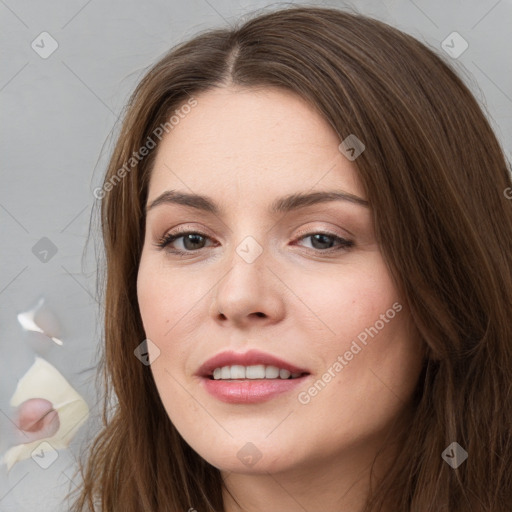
x,y
252,357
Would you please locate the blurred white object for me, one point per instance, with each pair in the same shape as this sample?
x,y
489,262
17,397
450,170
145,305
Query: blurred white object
x,y
68,411
27,320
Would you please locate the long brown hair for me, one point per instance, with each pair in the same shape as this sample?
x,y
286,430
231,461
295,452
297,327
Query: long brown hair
x,y
434,174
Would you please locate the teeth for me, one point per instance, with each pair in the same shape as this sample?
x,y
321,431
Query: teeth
x,y
284,374
257,371
271,372
237,372
254,372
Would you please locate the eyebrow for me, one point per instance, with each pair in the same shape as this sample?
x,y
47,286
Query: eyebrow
x,y
283,204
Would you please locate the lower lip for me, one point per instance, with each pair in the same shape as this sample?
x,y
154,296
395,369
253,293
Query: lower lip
x,y
250,391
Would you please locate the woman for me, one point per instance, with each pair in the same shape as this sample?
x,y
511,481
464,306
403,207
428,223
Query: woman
x,y
308,290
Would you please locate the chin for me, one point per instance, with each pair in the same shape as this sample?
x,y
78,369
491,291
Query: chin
x,y
262,467
246,457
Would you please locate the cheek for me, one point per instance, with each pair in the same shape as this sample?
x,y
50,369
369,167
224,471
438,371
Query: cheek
x,y
162,297
360,318
343,303
171,311
370,357
149,292
160,308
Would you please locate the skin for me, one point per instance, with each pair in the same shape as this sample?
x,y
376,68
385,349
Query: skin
x,y
244,148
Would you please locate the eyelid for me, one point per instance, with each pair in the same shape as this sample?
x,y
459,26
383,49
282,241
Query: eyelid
x,y
304,231
326,231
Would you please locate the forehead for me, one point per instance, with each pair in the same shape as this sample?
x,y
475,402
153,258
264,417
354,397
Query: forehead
x,y
257,142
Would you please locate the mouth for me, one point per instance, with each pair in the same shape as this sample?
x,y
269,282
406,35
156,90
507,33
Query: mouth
x,y
250,377
229,385
253,372
253,364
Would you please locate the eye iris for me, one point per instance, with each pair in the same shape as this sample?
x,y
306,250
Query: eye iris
x,y
314,238
194,237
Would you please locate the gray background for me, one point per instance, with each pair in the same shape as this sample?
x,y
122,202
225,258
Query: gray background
x,y
57,115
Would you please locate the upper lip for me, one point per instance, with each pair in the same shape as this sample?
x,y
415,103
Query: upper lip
x,y
252,357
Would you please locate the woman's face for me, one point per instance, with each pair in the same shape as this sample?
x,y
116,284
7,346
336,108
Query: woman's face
x,y
258,279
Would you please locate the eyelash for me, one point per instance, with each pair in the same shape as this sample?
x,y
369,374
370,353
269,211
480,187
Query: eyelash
x,y
344,244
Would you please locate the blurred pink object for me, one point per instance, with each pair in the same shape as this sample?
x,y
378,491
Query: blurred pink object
x,y
49,412
37,419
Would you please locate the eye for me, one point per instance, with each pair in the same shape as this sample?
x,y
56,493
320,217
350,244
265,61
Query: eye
x,y
321,242
192,241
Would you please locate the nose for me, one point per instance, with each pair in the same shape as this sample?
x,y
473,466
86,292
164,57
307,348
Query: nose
x,y
249,294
